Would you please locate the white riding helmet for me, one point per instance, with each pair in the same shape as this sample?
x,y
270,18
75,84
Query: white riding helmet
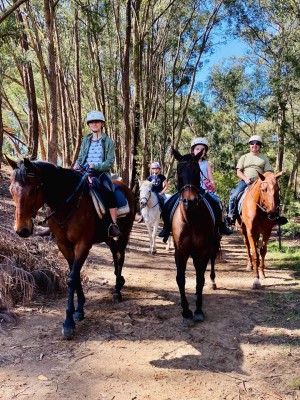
x,y
94,116
155,165
199,140
257,138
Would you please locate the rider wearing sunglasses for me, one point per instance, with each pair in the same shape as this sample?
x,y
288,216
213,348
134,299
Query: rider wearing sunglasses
x,y
247,167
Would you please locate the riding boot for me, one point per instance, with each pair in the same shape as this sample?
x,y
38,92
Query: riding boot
x,y
223,229
114,230
165,233
281,220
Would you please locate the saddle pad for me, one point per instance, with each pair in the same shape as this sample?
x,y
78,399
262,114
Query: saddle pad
x,y
240,202
122,203
206,203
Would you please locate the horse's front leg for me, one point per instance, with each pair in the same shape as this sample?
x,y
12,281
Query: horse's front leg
x,y
154,233
200,267
255,259
81,252
149,229
181,260
263,251
69,255
249,266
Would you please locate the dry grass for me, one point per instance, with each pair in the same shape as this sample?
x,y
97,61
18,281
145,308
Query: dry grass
x,y
28,267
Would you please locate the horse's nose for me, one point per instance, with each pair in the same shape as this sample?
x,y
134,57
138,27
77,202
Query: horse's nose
x,y
24,233
142,204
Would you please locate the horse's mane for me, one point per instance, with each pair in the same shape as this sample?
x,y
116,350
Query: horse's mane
x,y
55,177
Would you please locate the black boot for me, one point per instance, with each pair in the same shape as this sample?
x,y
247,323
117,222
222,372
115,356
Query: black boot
x,y
224,230
114,230
281,220
165,233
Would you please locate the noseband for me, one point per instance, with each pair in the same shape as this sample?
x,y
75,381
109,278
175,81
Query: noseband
x,y
187,203
147,199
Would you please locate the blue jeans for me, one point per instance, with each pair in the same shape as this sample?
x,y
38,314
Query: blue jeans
x,y
233,194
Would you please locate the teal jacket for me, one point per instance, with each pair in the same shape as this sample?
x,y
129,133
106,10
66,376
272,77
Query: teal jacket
x,y
108,152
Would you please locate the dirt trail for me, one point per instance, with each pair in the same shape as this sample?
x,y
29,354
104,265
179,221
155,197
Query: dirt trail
x,y
247,348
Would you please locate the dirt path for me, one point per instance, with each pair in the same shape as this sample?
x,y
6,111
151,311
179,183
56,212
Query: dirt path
x,y
247,348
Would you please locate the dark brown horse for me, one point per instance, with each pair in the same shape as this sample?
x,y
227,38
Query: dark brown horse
x,y
73,222
259,211
194,232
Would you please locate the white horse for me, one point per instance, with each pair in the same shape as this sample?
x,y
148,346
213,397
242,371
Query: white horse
x,y
151,213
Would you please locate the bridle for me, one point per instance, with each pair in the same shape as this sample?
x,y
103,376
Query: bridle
x,y
263,208
40,186
147,199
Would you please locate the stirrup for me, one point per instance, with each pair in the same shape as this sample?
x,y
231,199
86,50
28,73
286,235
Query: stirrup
x,y
114,230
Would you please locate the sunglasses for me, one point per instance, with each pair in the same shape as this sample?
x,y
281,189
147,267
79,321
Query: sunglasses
x,y
254,142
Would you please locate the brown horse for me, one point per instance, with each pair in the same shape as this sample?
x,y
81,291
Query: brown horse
x,y
73,221
194,233
260,209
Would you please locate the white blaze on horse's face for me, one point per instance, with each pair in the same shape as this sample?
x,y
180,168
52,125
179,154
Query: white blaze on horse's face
x,y
24,204
145,193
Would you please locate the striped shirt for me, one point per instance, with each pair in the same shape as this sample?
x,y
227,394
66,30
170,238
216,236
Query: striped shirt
x,y
95,153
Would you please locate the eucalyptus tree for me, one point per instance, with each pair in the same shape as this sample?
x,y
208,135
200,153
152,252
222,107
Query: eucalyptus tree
x,y
269,27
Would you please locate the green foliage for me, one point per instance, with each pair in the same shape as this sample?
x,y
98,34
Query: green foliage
x,y
291,230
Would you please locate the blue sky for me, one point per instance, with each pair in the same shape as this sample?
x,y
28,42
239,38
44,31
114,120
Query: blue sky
x,y
222,52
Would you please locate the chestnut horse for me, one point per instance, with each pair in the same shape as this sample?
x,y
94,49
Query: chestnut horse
x,y
73,221
259,210
194,232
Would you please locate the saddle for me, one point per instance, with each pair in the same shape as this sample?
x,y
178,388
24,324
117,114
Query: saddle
x,y
172,203
122,203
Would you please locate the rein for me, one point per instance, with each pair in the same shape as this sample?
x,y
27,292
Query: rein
x,y
147,199
262,208
68,200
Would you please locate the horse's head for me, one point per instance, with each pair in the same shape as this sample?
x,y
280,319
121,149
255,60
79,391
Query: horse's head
x,y
25,188
269,193
145,193
188,177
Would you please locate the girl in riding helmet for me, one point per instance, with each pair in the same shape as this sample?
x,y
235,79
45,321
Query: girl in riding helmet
x,y
159,181
206,177
97,153
159,185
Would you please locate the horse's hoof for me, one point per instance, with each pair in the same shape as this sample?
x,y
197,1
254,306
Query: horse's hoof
x,y
117,298
256,284
188,322
67,332
78,316
199,317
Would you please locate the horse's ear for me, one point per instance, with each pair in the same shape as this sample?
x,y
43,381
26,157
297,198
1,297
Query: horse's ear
x,y
176,154
11,162
277,176
28,165
199,155
262,177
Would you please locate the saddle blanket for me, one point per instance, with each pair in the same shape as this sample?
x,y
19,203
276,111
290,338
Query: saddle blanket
x,y
206,202
241,199
122,203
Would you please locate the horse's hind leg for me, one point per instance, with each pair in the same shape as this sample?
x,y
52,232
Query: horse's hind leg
x,y
181,260
118,251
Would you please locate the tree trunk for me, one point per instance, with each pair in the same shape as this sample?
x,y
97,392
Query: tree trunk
x,y
52,143
126,96
77,90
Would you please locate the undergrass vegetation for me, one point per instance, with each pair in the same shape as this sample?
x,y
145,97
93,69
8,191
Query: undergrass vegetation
x,y
288,257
